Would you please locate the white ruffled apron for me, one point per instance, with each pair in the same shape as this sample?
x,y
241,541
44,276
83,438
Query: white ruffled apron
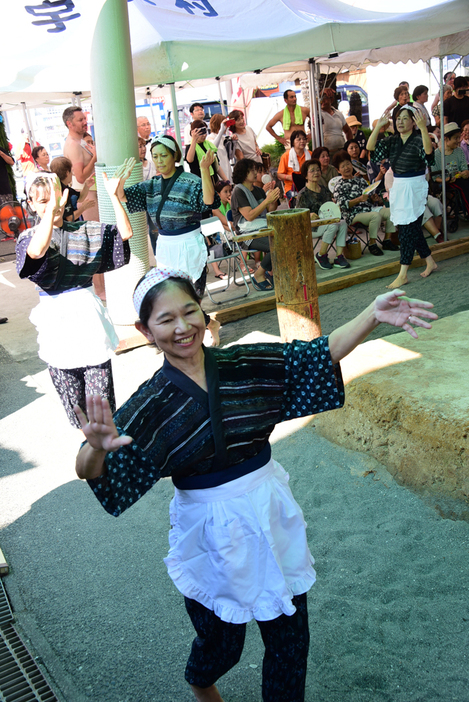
x,y
186,252
74,329
240,549
408,198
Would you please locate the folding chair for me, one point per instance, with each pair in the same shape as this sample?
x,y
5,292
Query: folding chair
x,y
212,226
237,246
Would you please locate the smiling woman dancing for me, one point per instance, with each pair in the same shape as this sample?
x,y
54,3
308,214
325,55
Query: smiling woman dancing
x,y
409,152
238,547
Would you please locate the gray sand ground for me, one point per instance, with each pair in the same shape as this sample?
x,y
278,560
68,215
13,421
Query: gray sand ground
x,y
389,614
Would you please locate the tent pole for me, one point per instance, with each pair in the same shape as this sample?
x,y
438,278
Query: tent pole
x,y
26,124
442,149
174,107
30,122
320,130
113,96
222,104
149,97
313,105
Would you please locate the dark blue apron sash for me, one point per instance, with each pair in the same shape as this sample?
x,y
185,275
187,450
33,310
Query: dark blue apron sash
x,y
209,480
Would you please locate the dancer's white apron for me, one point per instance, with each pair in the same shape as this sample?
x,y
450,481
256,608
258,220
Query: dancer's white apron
x,y
74,329
186,252
240,549
408,198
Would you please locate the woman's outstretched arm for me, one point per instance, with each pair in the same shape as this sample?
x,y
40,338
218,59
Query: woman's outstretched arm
x,y
393,308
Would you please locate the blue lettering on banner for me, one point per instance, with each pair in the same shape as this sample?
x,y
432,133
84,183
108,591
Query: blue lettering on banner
x,y
53,12
202,5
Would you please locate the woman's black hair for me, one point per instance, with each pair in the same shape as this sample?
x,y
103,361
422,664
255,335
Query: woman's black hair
x,y
156,291
294,135
400,89
36,151
411,112
305,166
221,184
319,150
242,168
176,151
235,114
350,141
340,157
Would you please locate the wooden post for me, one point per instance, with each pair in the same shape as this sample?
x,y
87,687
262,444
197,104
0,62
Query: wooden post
x,y
296,290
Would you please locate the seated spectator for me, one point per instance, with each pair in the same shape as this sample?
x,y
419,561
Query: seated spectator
x,y
402,97
377,171
292,160
248,205
226,143
352,147
464,144
76,200
456,107
322,155
224,188
334,125
41,159
311,197
357,134
247,144
149,168
456,167
198,147
432,217
356,207
420,97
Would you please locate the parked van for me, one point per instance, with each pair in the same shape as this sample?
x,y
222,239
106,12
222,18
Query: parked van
x,y
211,108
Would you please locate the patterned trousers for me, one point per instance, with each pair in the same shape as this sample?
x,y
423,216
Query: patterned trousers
x,y
218,647
73,384
411,238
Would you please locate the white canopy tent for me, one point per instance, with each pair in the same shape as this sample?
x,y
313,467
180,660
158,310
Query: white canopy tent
x,y
179,40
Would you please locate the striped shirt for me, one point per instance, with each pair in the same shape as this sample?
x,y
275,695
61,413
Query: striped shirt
x,y
76,252
184,207
173,422
405,158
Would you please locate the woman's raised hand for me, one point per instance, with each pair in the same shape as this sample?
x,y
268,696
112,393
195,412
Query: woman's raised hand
x,y
115,185
207,160
58,199
383,120
400,311
98,425
421,121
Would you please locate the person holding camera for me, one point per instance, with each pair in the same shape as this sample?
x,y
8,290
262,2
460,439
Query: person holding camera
x,y
456,108
196,150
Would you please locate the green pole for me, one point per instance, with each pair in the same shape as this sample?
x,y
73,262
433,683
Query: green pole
x,y
113,98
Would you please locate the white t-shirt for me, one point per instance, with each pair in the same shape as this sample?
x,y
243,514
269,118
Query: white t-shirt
x,y
332,126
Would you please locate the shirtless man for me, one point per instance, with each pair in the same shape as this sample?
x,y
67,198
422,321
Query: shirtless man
x,y
83,158
292,117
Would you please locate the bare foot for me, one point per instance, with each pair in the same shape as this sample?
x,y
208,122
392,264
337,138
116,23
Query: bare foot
x,y
214,329
398,283
429,269
206,694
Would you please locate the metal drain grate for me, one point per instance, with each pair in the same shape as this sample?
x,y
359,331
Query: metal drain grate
x,y
20,678
5,609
